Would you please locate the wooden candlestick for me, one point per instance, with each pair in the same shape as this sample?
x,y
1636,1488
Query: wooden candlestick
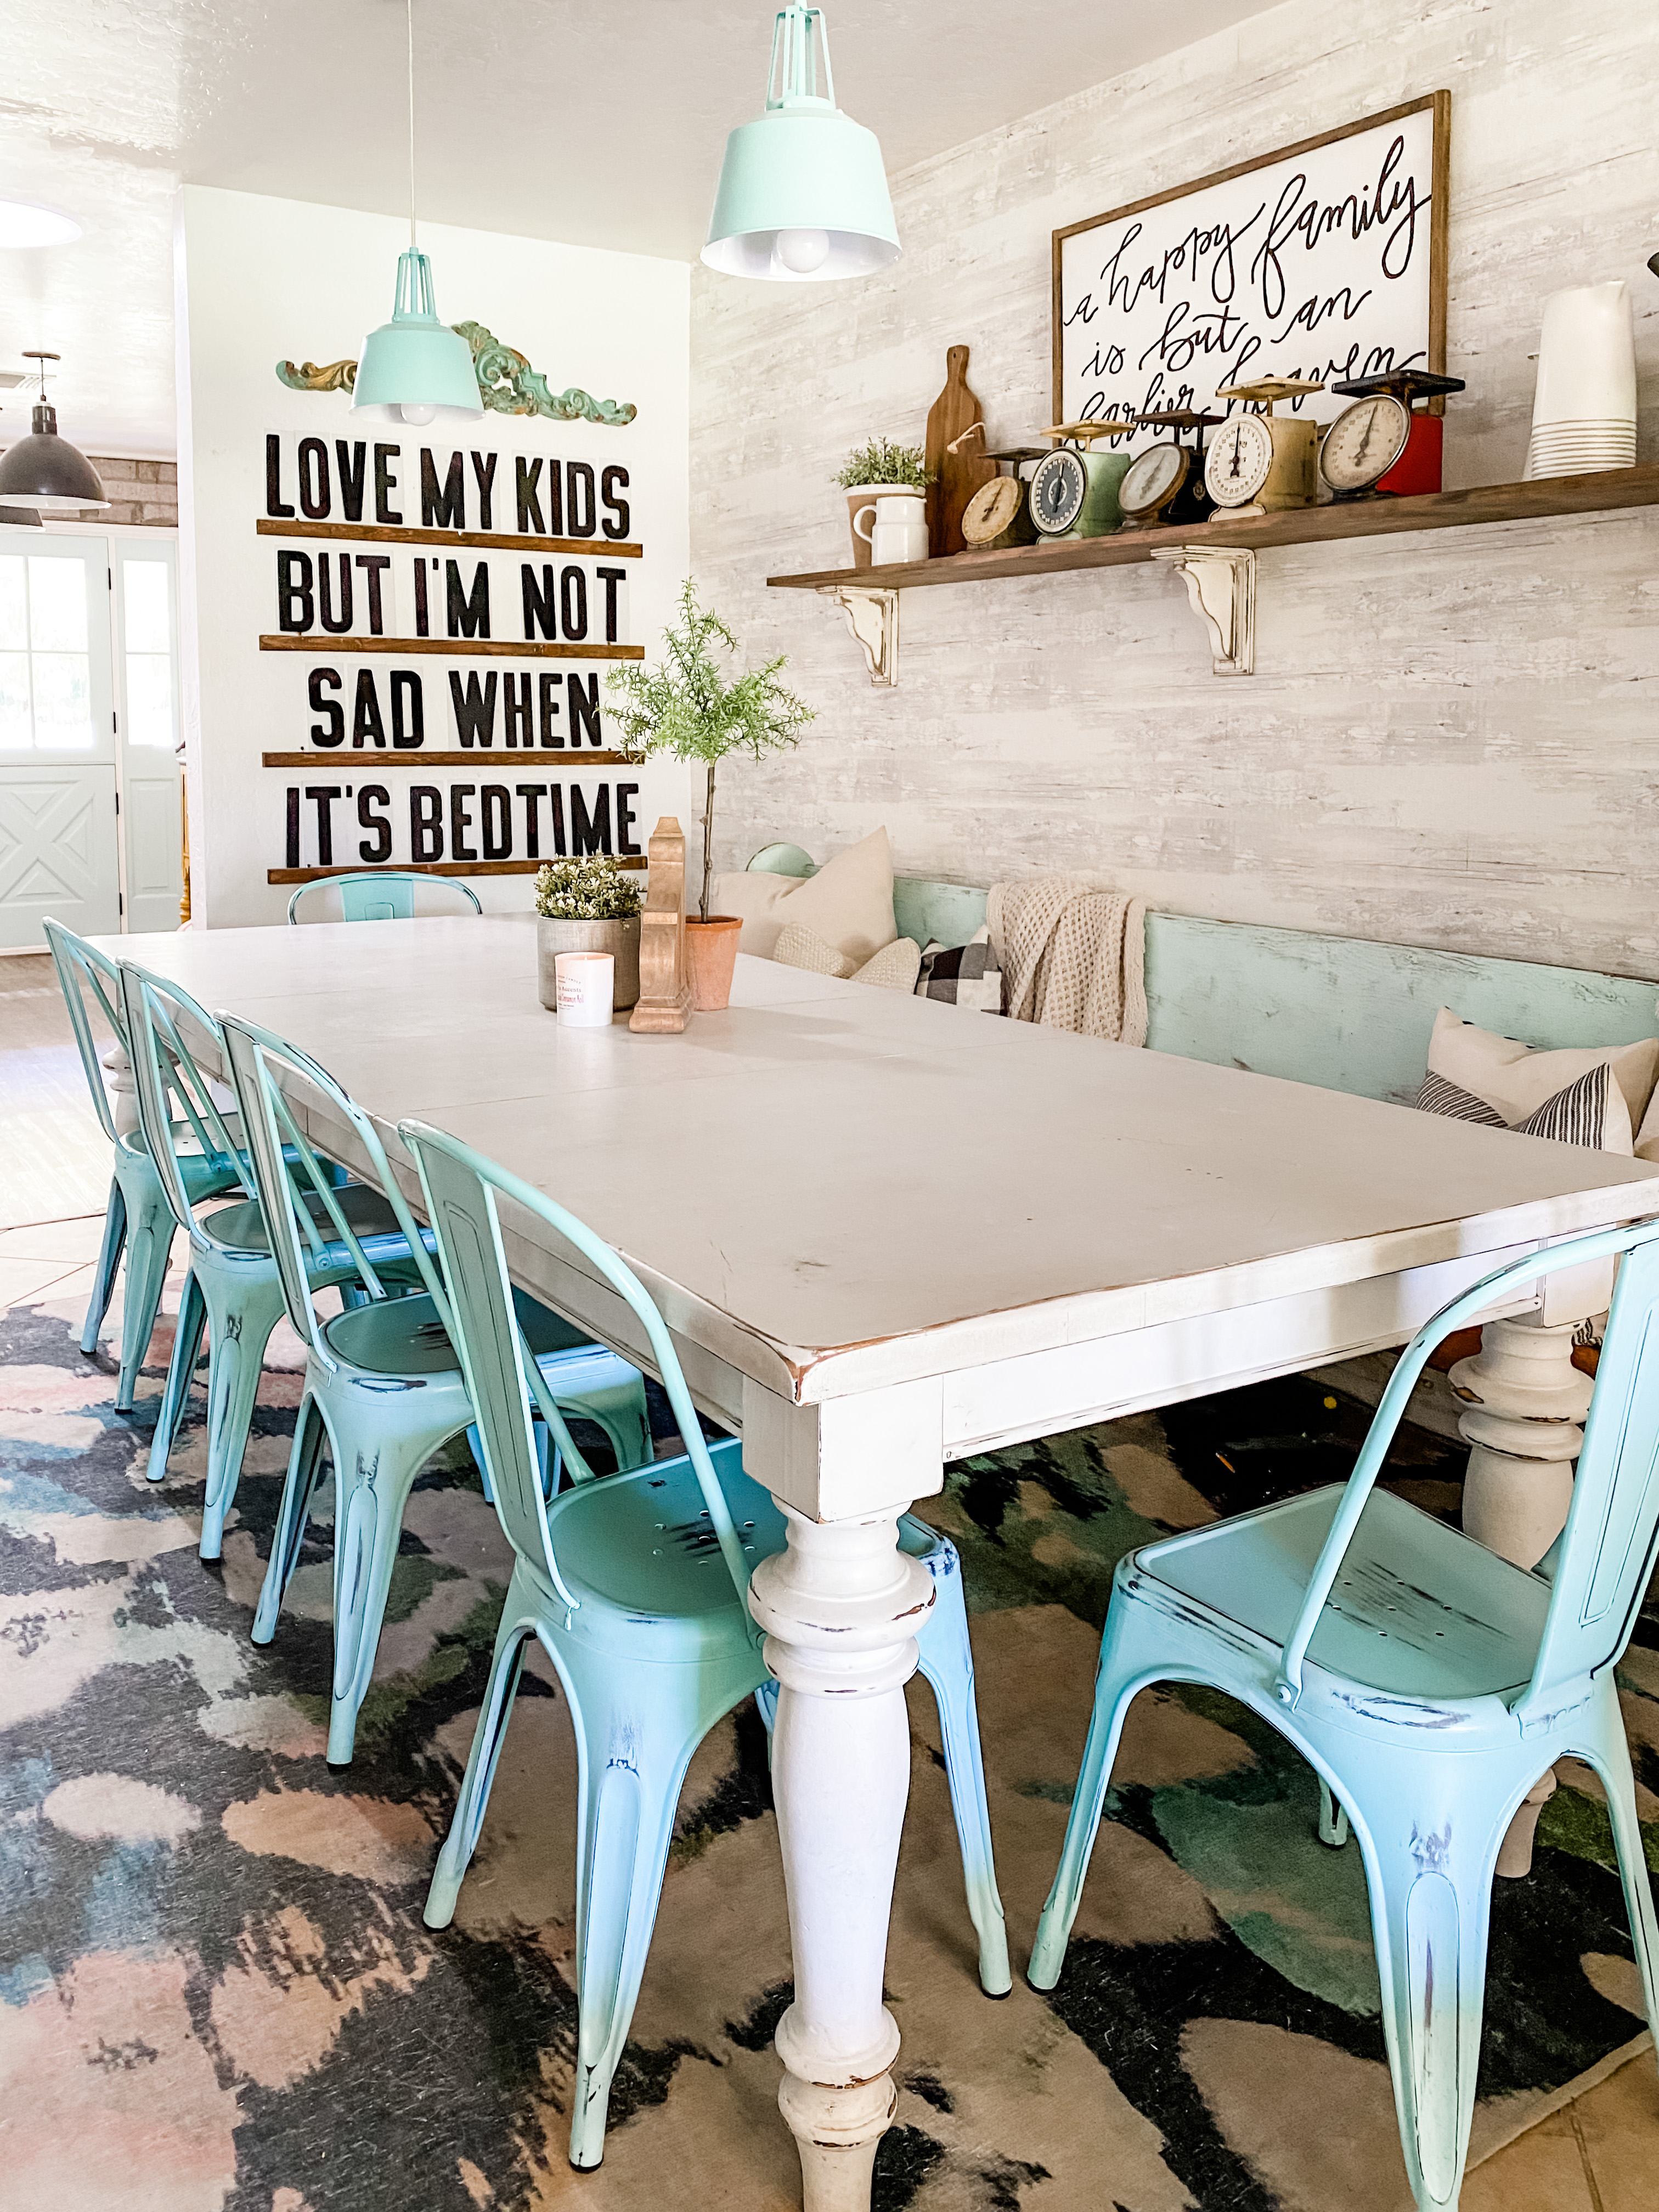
x,y
665,995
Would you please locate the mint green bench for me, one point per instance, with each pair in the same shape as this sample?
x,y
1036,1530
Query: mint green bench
x,y
1344,1012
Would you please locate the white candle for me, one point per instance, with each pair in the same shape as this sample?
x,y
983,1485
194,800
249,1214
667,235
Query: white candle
x,y
586,984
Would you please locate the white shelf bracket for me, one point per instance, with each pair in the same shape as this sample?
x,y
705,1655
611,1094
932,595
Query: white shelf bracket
x,y
871,612
1221,585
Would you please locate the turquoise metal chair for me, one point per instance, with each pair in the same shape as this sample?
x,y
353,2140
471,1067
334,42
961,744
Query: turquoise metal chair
x,y
637,1586
138,1221
1428,1682
383,895
232,1289
382,1386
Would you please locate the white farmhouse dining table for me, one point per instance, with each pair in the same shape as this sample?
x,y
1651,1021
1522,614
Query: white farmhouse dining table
x,y
884,1233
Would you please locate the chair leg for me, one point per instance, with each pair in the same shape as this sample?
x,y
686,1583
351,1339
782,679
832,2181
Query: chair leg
x,y
947,1660
181,1368
475,1445
150,1228
237,1333
375,1464
109,1259
304,1466
1332,1819
634,1753
1430,1870
1611,1759
518,1625
1125,1668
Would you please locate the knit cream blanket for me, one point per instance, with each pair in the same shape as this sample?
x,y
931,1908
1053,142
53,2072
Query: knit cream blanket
x,y
1072,955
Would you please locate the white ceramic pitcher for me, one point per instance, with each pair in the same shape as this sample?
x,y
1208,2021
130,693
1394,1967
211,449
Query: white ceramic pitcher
x,y
895,525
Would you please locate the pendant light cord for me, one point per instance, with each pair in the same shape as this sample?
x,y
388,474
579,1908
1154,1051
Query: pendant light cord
x,y
410,6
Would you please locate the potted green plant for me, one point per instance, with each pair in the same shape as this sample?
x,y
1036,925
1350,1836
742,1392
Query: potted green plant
x,y
874,469
588,906
686,707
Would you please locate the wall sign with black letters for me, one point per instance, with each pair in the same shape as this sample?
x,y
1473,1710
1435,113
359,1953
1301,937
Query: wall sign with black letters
x,y
447,613
1326,260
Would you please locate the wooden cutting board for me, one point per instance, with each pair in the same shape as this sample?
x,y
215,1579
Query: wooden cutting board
x,y
956,476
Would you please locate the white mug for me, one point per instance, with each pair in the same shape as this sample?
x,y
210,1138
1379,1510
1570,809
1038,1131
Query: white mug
x,y
899,528
586,982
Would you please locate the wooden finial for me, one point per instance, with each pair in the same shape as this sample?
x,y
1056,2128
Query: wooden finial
x,y
665,995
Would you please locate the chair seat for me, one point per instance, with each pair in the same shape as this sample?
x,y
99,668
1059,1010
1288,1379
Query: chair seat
x,y
394,1336
243,1228
642,1543
1418,1609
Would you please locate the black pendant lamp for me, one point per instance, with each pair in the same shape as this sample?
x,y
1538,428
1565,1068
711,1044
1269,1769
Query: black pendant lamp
x,y
45,470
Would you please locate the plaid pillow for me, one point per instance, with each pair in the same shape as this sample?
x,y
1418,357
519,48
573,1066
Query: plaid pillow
x,y
964,975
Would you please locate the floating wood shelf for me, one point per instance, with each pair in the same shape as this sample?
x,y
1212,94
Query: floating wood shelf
x,y
1215,560
1305,525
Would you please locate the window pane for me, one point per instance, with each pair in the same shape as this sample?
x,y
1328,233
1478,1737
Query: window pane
x,y
16,726
62,694
149,699
57,605
14,604
145,586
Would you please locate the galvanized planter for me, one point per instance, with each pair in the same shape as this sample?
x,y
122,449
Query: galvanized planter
x,y
619,938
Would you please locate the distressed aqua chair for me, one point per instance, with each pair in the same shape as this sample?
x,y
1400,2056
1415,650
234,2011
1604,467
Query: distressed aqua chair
x,y
1428,1682
636,1587
138,1221
382,1387
382,895
233,1289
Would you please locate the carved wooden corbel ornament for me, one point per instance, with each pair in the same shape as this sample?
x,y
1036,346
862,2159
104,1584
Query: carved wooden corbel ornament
x,y
1221,584
507,384
871,612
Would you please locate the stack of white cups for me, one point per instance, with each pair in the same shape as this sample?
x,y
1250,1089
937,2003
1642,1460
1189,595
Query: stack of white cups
x,y
1583,414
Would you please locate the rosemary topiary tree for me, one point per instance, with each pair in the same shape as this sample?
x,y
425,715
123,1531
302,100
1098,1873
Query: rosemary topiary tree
x,y
685,706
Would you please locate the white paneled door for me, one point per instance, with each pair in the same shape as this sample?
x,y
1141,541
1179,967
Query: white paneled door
x,y
89,779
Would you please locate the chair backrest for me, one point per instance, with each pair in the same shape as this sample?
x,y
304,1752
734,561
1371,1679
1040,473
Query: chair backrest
x,y
1605,1555
381,895
170,1085
82,968
461,1187
286,1180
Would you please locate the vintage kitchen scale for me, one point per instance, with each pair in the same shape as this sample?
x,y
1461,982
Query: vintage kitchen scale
x,y
1383,443
1165,482
1260,464
1073,490
999,512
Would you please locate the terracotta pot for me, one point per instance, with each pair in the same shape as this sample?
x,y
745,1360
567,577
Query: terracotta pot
x,y
621,940
711,954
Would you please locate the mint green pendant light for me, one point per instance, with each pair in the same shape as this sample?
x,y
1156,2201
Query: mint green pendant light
x,y
803,195
416,369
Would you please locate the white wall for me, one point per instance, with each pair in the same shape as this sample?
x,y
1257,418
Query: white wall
x,y
262,280
1451,739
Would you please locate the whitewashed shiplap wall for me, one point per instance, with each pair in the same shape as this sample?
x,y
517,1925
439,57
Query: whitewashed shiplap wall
x,y
1450,739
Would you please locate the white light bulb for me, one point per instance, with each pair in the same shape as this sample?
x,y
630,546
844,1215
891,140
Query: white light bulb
x,y
417,415
803,251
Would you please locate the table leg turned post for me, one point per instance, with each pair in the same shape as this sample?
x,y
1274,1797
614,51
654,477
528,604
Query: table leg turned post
x,y
1523,1401
841,1607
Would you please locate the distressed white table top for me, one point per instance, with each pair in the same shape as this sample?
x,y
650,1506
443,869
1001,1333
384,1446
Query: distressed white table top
x,y
833,1188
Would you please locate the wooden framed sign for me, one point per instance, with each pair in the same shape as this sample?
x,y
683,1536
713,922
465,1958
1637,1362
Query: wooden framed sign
x,y
1325,259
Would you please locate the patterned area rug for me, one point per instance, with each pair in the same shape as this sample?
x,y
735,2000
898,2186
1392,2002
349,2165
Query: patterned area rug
x,y
218,1991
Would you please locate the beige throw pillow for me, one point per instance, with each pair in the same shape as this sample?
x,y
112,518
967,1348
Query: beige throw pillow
x,y
1515,1079
849,904
894,968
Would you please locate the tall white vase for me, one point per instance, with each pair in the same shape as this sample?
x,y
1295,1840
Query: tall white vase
x,y
1584,413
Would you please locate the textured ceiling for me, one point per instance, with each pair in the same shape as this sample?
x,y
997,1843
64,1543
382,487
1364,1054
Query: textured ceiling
x,y
599,126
